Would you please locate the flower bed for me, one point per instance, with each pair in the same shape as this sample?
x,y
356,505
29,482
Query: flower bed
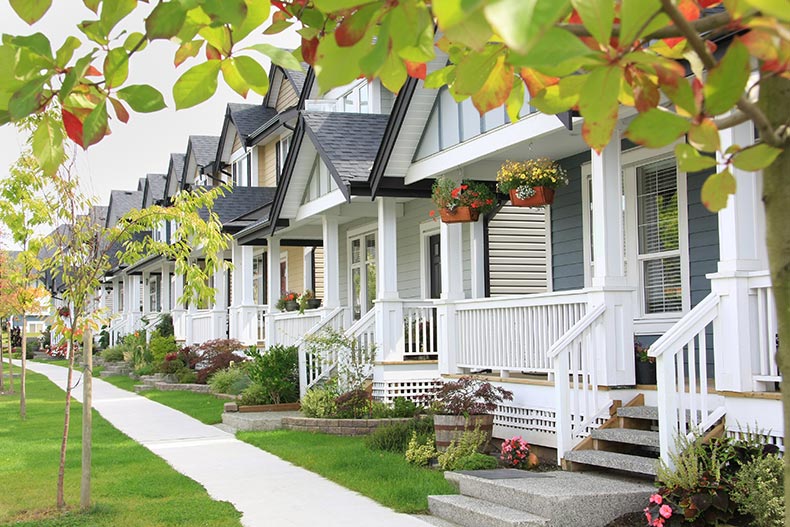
x,y
338,427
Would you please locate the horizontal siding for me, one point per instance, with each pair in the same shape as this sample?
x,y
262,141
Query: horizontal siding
x,y
703,227
319,272
295,269
566,228
267,165
517,251
287,97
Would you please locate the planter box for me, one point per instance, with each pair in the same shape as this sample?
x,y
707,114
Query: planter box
x,y
285,407
340,427
450,427
645,372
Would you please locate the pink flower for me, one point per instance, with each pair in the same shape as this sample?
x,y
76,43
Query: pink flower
x,y
665,511
658,499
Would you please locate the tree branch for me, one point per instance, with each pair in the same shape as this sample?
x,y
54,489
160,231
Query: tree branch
x,y
731,120
708,23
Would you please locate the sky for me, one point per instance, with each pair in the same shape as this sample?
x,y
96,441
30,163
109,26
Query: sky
x,y
144,144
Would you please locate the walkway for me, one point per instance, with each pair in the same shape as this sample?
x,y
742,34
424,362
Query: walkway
x,y
268,491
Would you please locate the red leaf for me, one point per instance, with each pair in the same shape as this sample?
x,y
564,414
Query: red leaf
x,y
707,3
279,5
690,11
309,48
120,111
73,126
697,88
536,81
280,16
416,69
92,72
213,53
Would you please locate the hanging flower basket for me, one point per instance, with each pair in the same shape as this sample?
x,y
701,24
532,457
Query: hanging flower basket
x,y
459,215
64,311
531,196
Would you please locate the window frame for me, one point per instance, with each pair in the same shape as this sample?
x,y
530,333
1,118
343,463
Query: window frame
x,y
361,234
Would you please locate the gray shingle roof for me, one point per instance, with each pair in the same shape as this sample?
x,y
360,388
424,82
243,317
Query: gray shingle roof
x,y
155,189
349,141
249,117
240,201
121,202
141,184
204,148
177,160
298,77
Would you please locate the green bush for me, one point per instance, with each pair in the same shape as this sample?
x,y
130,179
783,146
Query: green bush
x,y
475,461
379,410
186,376
165,327
160,346
33,344
232,381
759,491
402,407
319,402
145,369
276,370
395,437
113,354
467,444
254,394
420,452
353,405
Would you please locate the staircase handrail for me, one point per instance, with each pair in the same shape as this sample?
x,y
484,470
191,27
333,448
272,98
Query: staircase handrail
x,y
359,327
304,382
577,329
689,325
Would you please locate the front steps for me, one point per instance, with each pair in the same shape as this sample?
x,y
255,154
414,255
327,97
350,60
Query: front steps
x,y
529,499
116,369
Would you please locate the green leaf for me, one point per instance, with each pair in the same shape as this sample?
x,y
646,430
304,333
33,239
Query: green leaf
x,y
93,5
354,27
560,97
92,30
112,12
95,126
165,21
375,59
187,50
453,12
196,85
656,128
225,11
30,10
219,37
47,143
135,41
27,100
336,66
257,13
756,157
556,48
278,56
142,98
776,8
634,14
473,32
472,72
116,67
253,74
515,101
690,160
277,27
74,75
233,78
727,81
598,105
597,16
717,189
704,136
330,6
496,89
440,77
393,73
66,51
521,23
38,43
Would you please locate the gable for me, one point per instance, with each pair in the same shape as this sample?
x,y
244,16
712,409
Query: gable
x,y
286,96
320,181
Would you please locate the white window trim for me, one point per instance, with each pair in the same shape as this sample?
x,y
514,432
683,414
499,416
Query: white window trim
x,y
427,229
237,156
645,323
284,258
351,234
549,254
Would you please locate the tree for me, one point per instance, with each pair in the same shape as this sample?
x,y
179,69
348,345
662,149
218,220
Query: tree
x,y
590,56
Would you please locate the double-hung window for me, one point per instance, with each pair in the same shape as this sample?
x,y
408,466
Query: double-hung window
x,y
362,273
241,169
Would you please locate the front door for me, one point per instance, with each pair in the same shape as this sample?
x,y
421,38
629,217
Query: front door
x,y
434,266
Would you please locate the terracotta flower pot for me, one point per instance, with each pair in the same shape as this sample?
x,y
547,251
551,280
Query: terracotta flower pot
x,y
542,196
450,427
459,215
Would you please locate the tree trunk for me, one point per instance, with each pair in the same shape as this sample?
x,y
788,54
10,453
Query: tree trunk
x,y
2,366
10,359
22,395
775,102
87,420
61,501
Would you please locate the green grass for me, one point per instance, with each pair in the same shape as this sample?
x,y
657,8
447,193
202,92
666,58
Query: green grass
x,y
382,476
131,486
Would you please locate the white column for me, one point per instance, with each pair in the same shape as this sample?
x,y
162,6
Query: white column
x,y
389,309
451,247
742,251
146,281
331,235
273,289
243,312
178,311
613,338
307,268
164,290
219,309
477,242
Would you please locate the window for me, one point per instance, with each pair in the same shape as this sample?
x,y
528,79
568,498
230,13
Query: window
x,y
241,169
120,296
259,279
154,301
281,152
362,273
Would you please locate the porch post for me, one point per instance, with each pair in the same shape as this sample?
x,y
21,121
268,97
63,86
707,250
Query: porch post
x,y
164,290
247,317
145,280
476,237
135,290
273,289
613,339
219,308
451,247
742,252
389,309
179,313
331,235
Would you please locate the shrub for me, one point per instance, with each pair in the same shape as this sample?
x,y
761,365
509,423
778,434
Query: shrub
x,y
402,407
113,354
353,405
216,355
33,344
467,444
419,452
165,327
476,461
104,337
469,396
172,364
395,437
160,346
319,402
232,381
759,491
254,394
145,369
46,337
186,376
276,371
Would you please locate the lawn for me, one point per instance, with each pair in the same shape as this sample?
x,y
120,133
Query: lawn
x,y
131,486
382,476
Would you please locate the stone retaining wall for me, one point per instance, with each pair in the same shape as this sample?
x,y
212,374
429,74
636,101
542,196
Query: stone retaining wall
x,y
339,427
171,387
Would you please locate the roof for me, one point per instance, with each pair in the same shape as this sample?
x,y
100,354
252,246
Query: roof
x,y
176,168
154,189
298,77
347,142
141,184
204,148
121,202
247,118
240,201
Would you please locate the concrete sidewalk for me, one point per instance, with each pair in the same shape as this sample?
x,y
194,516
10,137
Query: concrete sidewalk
x,y
268,491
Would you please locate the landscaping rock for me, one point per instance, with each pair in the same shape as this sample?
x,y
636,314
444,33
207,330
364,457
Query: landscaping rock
x,y
231,407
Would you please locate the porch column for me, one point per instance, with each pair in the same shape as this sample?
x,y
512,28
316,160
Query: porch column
x,y
331,235
245,310
178,311
273,289
451,248
135,290
613,338
164,290
145,280
219,309
476,238
308,273
389,309
742,252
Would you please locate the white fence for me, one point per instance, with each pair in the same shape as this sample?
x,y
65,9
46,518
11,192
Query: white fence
x,y
420,329
291,327
201,322
765,367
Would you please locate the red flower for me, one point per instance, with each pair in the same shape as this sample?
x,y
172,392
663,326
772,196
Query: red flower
x,y
489,201
454,193
432,213
464,187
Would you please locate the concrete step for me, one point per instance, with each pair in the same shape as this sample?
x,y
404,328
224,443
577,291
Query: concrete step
x,y
566,499
435,520
639,412
472,512
628,436
615,460
142,388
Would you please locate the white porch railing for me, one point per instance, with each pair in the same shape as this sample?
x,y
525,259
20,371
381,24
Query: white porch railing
x,y
419,329
292,326
314,368
201,321
514,334
575,380
681,368
765,367
364,331
260,320
118,328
